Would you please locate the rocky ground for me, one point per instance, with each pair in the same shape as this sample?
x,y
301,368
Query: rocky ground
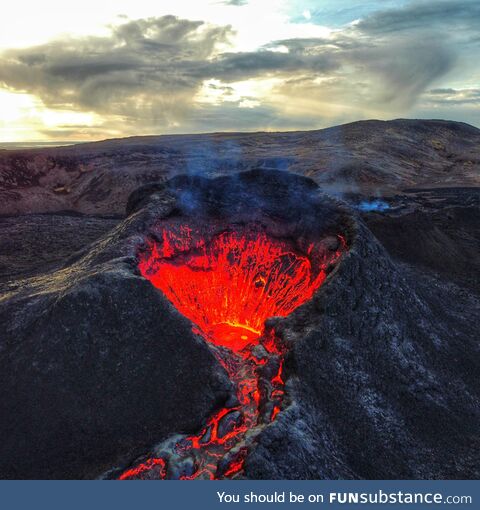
x,y
384,362
368,156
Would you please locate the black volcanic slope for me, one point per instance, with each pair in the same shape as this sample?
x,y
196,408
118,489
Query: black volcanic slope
x,y
381,374
367,156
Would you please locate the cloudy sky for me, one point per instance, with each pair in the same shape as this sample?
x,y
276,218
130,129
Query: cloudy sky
x,y
93,69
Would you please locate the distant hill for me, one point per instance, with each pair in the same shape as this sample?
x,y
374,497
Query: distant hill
x,y
365,157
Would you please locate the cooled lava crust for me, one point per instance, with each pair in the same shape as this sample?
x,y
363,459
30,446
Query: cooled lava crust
x,y
231,254
138,358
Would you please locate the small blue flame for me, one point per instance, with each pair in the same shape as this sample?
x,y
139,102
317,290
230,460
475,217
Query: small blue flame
x,y
374,205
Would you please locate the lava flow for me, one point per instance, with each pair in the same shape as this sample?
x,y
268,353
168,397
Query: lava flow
x,y
228,286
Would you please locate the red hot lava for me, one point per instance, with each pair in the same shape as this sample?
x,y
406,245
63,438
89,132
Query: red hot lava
x,y
228,287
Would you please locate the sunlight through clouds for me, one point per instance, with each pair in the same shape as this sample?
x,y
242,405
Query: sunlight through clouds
x,y
100,69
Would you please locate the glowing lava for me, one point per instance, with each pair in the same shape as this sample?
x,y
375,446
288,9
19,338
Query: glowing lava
x,y
228,286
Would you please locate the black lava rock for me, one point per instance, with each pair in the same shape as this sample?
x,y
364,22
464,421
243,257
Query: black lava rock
x,y
96,366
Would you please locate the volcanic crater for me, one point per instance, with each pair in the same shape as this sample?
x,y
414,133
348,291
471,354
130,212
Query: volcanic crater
x,y
229,276
244,326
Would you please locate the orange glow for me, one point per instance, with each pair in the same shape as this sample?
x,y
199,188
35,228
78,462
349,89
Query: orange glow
x,y
228,287
145,468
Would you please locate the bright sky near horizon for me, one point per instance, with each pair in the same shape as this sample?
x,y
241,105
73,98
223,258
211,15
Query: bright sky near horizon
x,y
99,69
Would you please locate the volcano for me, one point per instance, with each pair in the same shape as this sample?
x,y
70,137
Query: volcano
x,y
238,327
228,287
228,281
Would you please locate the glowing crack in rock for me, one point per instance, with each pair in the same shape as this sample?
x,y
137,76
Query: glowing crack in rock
x,y
228,286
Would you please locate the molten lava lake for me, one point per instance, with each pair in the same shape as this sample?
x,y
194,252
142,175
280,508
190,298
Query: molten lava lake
x,y
228,285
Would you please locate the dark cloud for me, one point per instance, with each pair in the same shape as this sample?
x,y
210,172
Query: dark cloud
x,y
401,78
453,97
236,3
398,69
424,15
240,66
318,45
147,72
147,68
442,92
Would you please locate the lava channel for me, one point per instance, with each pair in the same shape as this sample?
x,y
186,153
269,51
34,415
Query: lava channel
x,y
228,287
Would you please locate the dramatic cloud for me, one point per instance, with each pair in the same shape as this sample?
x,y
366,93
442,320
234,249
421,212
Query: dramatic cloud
x,y
453,97
168,74
378,74
232,67
146,69
236,3
424,15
